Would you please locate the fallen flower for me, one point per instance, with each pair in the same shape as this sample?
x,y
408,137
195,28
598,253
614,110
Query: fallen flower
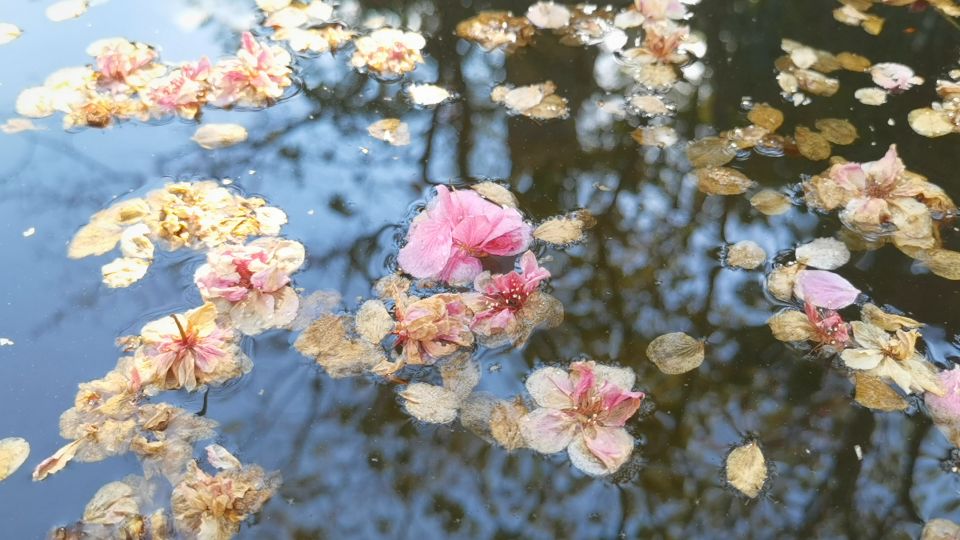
x,y
182,92
892,358
256,77
213,136
945,408
456,230
494,29
583,412
430,328
388,52
895,77
548,15
125,67
656,10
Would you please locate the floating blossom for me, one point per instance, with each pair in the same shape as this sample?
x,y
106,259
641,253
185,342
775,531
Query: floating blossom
x,y
661,45
189,350
252,283
255,77
828,327
430,328
214,507
508,307
125,66
183,92
582,411
945,409
658,10
448,239
494,29
893,358
893,77
388,52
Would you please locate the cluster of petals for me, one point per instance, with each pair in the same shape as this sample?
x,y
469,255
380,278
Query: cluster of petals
x,y
252,283
430,328
189,350
448,240
894,77
658,10
893,358
499,298
388,52
182,92
582,411
123,65
661,45
255,77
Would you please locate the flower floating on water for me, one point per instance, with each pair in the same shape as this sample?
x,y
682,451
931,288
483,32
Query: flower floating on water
x,y
125,67
252,283
430,328
388,52
894,77
457,229
494,29
182,92
509,307
256,77
583,412
945,409
893,358
657,10
824,327
214,507
189,350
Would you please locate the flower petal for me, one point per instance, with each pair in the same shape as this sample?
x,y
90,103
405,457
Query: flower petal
x,y
825,289
548,431
550,387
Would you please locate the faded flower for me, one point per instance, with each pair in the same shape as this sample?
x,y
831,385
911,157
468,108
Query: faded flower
x,y
661,45
182,92
430,328
582,411
256,77
457,229
388,52
493,29
125,67
252,283
893,358
189,350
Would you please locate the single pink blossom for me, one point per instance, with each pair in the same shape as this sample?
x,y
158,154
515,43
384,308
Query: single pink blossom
x,y
182,92
184,351
657,10
892,76
825,289
582,411
256,76
251,283
828,326
448,239
499,298
123,65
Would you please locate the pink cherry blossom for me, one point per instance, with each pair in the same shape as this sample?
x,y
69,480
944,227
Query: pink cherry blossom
x,y
582,411
448,239
825,289
182,92
657,10
251,283
123,65
256,76
499,298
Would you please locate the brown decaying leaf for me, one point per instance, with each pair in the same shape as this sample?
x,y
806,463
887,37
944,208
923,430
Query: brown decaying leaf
x,y
711,152
837,131
747,469
771,203
13,452
676,353
391,130
496,193
791,325
812,146
871,314
722,181
431,404
566,229
766,116
853,62
745,254
505,423
873,393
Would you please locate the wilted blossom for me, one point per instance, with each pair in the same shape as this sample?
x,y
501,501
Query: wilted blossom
x,y
189,350
657,10
430,328
828,327
124,66
448,239
892,358
182,92
255,77
251,283
213,507
388,52
894,77
661,45
582,411
499,298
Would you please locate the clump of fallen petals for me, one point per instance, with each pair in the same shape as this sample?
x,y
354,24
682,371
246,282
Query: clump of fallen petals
x,y
252,283
945,409
189,350
431,328
183,91
209,507
124,66
537,101
458,229
255,77
582,411
508,307
892,358
495,29
388,52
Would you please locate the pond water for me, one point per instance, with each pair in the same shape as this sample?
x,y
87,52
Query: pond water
x,y
354,463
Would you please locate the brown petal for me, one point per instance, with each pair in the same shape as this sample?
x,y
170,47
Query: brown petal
x,y
747,469
837,131
791,325
13,452
711,152
771,203
812,146
676,353
875,394
766,116
722,181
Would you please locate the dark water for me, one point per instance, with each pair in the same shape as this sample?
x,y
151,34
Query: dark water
x,y
354,464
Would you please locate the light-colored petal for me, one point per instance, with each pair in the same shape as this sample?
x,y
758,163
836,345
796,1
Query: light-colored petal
x,y
825,289
861,358
548,431
550,387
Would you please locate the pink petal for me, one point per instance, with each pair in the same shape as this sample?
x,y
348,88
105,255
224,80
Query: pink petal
x,y
461,268
587,380
825,289
612,446
548,431
429,249
886,169
849,176
946,408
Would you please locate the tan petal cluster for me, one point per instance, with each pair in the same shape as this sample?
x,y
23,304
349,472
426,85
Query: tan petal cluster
x,y
892,358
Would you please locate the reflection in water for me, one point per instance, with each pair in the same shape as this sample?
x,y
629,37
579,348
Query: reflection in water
x,y
353,463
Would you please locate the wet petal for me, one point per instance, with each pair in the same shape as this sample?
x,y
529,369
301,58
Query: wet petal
x,y
67,9
745,254
220,458
391,130
746,469
676,353
812,146
862,358
124,272
548,431
13,452
548,15
871,96
550,387
722,181
825,289
711,152
875,394
611,446
57,461
931,123
8,33
791,325
563,230
771,203
213,136
505,424
823,253
837,131
766,116
431,404
373,321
